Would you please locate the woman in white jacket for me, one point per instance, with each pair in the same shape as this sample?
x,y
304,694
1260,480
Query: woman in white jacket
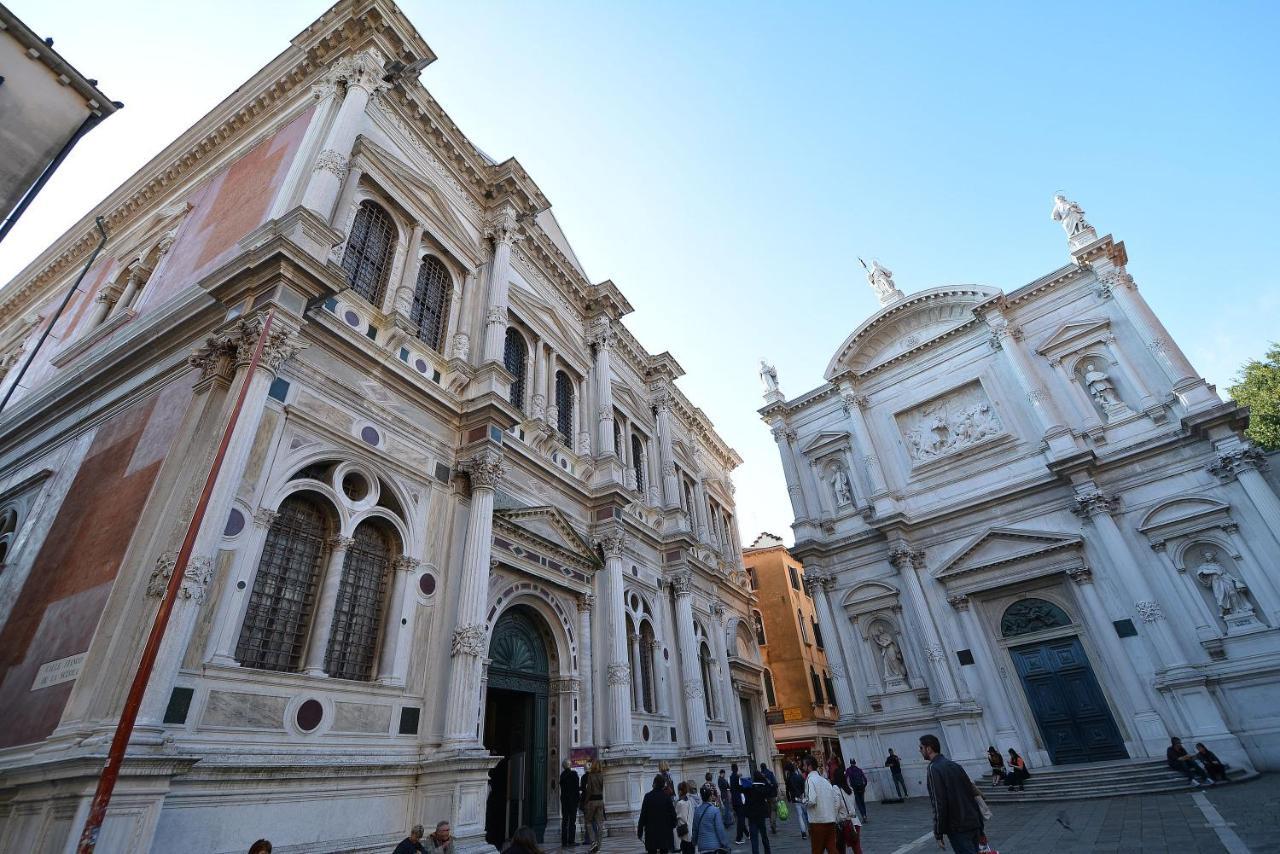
x,y
848,824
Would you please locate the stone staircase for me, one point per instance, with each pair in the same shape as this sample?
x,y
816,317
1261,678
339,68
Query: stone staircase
x,y
1098,780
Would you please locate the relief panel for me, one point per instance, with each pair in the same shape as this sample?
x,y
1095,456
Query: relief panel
x,y
959,419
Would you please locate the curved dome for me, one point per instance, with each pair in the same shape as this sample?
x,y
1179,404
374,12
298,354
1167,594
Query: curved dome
x,y
907,324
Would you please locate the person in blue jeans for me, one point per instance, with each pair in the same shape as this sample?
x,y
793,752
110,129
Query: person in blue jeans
x,y
756,793
707,832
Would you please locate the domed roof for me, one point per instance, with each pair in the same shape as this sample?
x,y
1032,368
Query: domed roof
x,y
909,323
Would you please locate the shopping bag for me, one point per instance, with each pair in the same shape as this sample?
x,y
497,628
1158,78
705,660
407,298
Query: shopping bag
x,y
984,847
784,812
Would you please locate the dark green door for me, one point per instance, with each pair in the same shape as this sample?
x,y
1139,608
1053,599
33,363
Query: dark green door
x,y
516,726
1068,705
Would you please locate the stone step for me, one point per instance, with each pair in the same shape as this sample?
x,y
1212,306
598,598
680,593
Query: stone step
x,y
1049,790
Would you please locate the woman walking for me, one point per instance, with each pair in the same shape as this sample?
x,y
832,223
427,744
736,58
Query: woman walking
x,y
707,831
657,819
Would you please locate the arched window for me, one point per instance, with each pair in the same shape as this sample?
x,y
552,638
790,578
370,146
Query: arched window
x,y
8,531
514,359
804,634
816,684
367,261
1032,615
431,302
357,617
647,645
758,620
708,683
829,688
637,461
769,694
564,408
279,611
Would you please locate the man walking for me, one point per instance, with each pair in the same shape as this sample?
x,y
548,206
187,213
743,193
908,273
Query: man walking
x,y
735,792
820,801
772,783
568,805
955,810
757,794
795,793
858,782
894,764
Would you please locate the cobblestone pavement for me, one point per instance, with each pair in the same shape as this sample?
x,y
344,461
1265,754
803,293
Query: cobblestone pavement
x,y
1247,815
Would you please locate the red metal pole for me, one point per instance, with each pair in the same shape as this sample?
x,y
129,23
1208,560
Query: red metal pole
x,y
124,729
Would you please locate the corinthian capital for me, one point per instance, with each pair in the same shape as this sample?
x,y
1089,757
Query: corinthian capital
x,y
1230,463
1091,502
486,469
613,541
502,225
362,70
682,582
602,334
280,345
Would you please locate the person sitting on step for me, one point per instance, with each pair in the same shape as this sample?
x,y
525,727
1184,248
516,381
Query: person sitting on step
x,y
1213,766
1181,761
997,764
1018,774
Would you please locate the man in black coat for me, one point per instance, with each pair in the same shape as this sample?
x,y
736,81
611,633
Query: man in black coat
x,y
735,792
568,805
757,793
955,811
657,819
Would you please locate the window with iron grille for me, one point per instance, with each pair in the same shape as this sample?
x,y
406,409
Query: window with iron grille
x,y
279,612
647,645
514,359
367,261
564,408
431,302
637,461
357,617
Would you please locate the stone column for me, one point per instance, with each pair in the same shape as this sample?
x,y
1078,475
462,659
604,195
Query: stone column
x,y
586,699
501,229
784,438
462,324
666,455
107,298
719,644
1096,508
820,584
1008,339
603,337
538,401
402,300
226,355
131,286
995,700
909,563
613,540
690,672
1243,461
1148,728
864,446
362,74
486,470
398,627
318,645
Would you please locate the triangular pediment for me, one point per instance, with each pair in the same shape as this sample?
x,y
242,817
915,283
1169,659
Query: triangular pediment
x,y
1074,333
1002,546
550,526
628,400
539,313
825,440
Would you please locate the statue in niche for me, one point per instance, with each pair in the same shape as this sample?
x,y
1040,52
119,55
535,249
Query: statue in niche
x,y
1226,589
1101,388
1071,215
895,667
841,486
769,374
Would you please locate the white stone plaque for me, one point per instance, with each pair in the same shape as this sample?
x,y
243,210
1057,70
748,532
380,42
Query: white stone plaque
x,y
56,672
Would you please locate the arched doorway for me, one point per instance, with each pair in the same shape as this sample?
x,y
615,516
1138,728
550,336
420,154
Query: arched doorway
x,y
516,725
1065,699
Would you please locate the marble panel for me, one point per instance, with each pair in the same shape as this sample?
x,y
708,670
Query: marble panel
x,y
244,711
361,717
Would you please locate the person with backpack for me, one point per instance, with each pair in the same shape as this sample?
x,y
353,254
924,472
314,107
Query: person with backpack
x,y
772,782
857,781
707,832
757,795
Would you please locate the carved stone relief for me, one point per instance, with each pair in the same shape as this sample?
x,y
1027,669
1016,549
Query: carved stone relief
x,y
950,423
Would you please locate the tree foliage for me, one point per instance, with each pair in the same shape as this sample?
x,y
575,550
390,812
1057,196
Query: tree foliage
x,y
1258,387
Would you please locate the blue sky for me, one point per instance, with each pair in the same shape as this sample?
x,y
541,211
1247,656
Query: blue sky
x,y
726,163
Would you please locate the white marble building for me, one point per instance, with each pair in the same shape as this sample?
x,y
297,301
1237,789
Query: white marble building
x,y
465,520
1031,524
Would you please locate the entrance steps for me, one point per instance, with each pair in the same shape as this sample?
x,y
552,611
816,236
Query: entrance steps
x,y
1098,780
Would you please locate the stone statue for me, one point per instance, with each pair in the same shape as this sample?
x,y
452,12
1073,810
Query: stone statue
x,y
843,489
1226,590
881,280
769,374
1100,387
1071,215
895,668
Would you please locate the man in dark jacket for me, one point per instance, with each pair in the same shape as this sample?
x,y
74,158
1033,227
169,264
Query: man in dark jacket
x,y
857,782
756,795
568,805
735,792
955,811
772,782
795,794
657,819
411,844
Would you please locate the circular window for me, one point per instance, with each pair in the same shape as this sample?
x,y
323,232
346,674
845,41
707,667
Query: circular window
x,y
427,584
371,435
235,523
351,318
310,713
421,365
644,732
355,486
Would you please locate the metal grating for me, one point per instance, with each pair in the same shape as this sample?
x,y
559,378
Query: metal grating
x,y
564,408
357,617
279,611
367,261
431,302
514,359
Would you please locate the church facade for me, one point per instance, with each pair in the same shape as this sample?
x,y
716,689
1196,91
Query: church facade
x,y
462,526
1030,523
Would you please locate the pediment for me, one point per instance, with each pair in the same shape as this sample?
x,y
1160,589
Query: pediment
x,y
549,525
825,441
540,314
1075,333
917,322
629,400
1003,546
870,591
1180,512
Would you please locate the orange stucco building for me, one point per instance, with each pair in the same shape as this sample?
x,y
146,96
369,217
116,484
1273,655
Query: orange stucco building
x,y
802,710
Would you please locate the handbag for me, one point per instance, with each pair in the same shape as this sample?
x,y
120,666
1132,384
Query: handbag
x,y
983,809
784,812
